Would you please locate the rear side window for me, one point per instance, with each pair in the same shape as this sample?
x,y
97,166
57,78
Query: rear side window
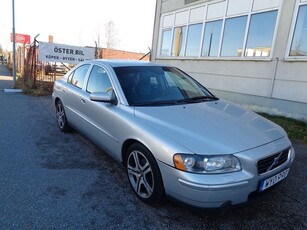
x,y
77,77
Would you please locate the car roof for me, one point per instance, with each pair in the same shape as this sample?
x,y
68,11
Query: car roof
x,y
121,63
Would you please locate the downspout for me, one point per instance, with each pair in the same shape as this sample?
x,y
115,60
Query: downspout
x,y
274,77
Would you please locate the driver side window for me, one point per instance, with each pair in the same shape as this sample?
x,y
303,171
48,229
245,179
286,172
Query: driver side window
x,y
99,81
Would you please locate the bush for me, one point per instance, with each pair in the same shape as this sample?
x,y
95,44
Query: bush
x,y
41,88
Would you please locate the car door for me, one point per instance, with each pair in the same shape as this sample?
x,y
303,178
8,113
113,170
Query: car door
x,y
73,97
100,115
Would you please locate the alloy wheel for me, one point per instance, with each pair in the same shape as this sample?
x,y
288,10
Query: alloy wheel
x,y
60,115
140,174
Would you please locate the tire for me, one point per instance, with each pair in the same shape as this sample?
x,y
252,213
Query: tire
x,y
144,175
61,117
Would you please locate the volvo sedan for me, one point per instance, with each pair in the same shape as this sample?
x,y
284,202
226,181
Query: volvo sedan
x,y
174,137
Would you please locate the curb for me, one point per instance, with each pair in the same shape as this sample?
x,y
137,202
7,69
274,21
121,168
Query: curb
x,y
12,90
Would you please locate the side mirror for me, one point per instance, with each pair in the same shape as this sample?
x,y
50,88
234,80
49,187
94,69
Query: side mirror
x,y
102,97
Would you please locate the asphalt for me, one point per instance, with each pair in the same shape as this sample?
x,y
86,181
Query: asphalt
x,y
53,180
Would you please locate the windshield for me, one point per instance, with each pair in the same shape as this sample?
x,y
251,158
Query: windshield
x,y
155,85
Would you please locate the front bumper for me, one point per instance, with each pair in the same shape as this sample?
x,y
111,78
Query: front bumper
x,y
217,190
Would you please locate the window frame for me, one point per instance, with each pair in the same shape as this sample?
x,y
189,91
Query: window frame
x,y
171,42
201,24
219,41
183,44
287,57
249,29
244,32
249,15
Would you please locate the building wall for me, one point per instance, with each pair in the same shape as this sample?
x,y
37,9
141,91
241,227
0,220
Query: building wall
x,y
125,55
276,84
171,5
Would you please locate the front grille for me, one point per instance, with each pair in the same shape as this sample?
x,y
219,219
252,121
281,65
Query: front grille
x,y
272,162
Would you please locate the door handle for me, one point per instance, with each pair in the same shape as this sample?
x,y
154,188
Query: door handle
x,y
83,101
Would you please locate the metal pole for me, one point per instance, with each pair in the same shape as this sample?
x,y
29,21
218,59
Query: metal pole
x,y
14,44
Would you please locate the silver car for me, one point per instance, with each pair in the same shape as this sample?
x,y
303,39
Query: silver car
x,y
174,137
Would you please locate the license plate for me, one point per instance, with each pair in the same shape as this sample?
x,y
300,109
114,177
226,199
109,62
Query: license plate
x,y
265,184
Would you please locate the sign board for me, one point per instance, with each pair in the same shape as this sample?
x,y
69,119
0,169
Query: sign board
x,y
21,38
52,52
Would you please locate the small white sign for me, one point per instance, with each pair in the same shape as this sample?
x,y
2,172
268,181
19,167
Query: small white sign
x,y
52,52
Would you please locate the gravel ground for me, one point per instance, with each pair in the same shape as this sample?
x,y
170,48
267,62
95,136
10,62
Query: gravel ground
x,y
53,180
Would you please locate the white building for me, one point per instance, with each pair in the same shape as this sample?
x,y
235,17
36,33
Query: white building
x,y
252,52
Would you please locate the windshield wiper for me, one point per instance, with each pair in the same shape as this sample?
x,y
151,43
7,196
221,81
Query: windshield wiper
x,y
177,102
199,99
155,103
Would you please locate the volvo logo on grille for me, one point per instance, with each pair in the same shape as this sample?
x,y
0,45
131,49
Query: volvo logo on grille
x,y
275,162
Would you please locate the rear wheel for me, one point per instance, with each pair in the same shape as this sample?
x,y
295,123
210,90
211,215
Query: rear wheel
x,y
144,175
61,117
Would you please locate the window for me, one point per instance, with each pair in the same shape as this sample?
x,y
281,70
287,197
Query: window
x,y
299,41
234,36
193,41
78,76
212,38
179,41
166,43
227,29
99,81
260,36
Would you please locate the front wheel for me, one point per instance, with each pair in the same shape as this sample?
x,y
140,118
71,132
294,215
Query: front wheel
x,y
61,117
144,175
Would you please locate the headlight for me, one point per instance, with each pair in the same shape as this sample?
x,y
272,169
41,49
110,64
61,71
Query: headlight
x,y
206,164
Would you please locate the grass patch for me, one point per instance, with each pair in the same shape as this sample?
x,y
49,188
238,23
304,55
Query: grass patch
x,y
297,130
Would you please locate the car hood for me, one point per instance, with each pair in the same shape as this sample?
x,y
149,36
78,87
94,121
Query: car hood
x,y
216,127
